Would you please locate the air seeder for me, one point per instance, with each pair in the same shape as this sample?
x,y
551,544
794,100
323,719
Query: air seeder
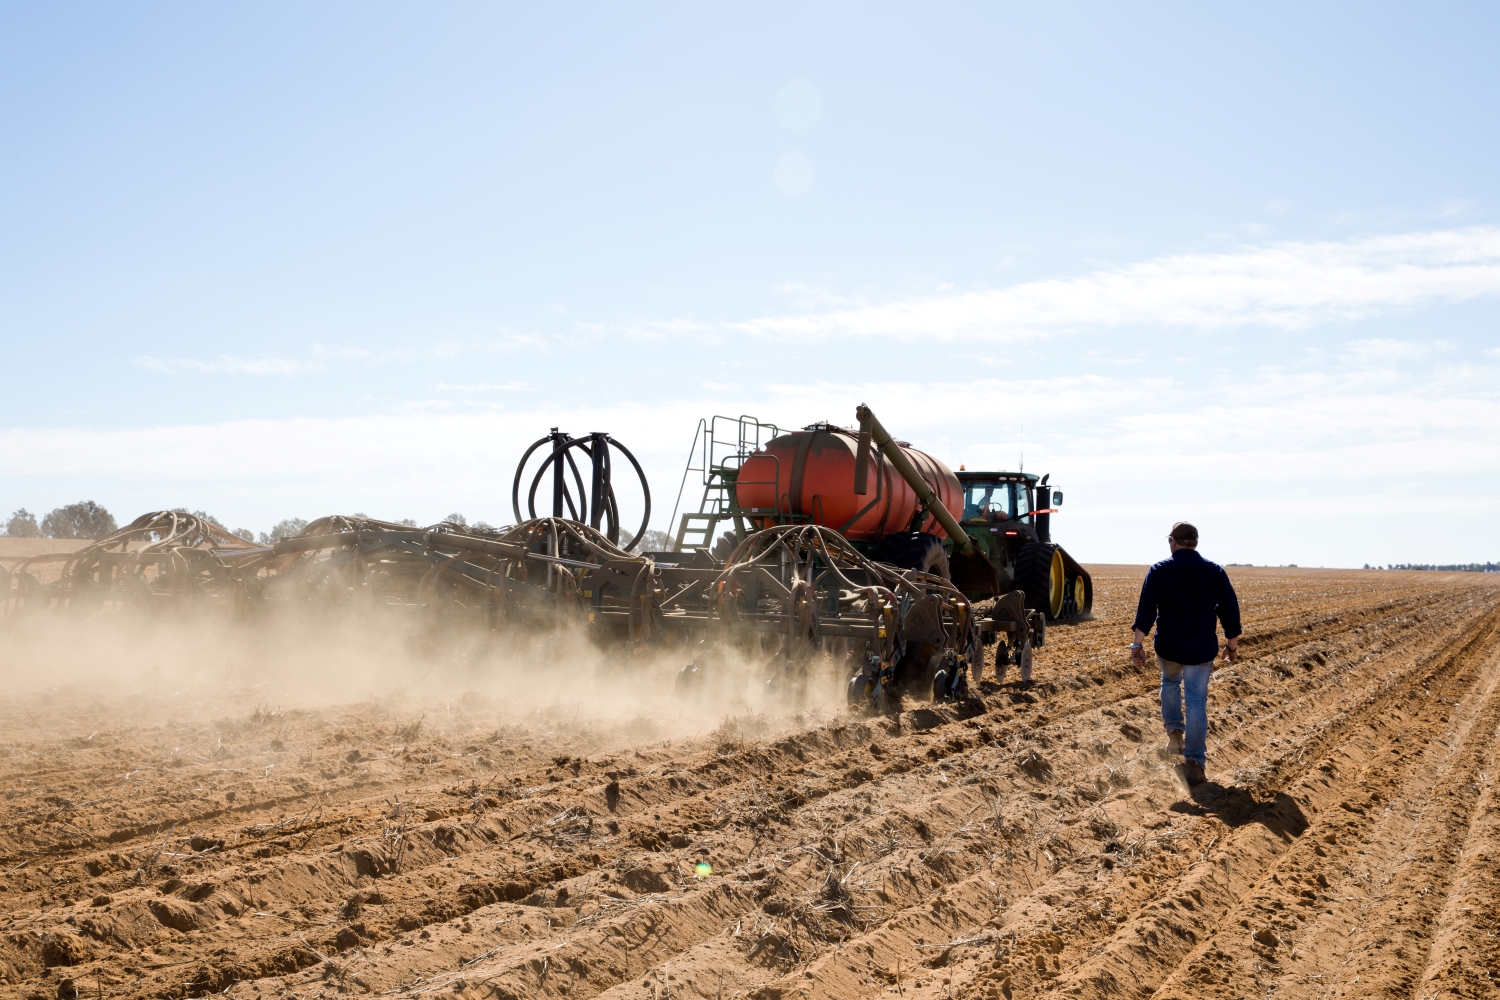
x,y
831,542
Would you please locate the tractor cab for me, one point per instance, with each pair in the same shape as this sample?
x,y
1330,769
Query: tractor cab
x,y
1008,515
994,498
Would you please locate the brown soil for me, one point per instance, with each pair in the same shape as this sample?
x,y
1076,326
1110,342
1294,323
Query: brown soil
x,y
1346,845
15,549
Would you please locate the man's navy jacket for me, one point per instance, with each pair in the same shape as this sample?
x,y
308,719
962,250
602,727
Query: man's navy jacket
x,y
1182,596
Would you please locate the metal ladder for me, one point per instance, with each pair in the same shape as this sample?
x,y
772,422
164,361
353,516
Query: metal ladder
x,y
720,445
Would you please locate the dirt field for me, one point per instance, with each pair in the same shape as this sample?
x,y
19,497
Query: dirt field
x,y
13,550
170,842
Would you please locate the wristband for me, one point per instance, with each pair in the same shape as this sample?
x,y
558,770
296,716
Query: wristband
x,y
1136,645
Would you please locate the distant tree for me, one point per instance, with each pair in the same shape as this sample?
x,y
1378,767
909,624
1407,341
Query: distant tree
x,y
652,541
458,519
244,533
283,530
85,519
22,524
201,515
409,522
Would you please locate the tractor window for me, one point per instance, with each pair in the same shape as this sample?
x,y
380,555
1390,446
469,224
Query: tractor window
x,y
987,501
1023,499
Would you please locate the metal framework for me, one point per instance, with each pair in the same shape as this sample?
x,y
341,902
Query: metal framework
x,y
803,588
163,557
805,584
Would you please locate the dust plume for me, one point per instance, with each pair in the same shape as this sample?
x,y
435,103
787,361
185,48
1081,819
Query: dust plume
x,y
143,669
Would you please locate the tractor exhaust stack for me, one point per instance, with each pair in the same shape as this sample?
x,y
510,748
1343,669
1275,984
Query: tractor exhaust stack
x,y
1041,510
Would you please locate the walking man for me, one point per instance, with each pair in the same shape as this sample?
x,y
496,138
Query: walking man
x,y
1183,596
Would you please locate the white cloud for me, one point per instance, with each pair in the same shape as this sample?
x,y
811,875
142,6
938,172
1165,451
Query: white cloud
x,y
226,365
340,353
1272,426
1388,351
1331,431
1311,446
321,358
512,386
1285,285
804,295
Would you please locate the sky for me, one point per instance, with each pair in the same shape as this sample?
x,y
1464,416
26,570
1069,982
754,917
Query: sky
x,y
1235,264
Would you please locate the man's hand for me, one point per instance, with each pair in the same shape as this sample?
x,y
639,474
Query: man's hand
x,y
1232,651
1138,649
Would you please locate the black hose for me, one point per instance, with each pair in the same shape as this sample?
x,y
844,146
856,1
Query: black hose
x,y
645,489
611,502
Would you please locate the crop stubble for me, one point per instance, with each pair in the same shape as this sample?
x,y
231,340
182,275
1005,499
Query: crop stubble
x,y
1346,845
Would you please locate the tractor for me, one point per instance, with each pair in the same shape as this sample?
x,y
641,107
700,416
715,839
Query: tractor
x,y
1007,516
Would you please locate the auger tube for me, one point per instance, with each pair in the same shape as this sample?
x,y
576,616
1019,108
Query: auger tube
x,y
961,540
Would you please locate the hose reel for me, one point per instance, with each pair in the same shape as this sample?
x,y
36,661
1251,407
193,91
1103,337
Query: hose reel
x,y
601,510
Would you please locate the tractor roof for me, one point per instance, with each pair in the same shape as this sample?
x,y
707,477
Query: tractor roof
x,y
968,476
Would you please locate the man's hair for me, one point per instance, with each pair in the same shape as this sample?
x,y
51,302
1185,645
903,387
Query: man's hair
x,y
1185,534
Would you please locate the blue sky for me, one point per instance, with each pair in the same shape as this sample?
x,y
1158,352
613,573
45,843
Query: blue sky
x,y
1237,265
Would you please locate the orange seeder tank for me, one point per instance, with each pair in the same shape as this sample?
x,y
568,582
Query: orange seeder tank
x,y
811,472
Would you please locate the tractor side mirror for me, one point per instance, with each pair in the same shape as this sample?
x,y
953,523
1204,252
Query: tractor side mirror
x,y
1057,498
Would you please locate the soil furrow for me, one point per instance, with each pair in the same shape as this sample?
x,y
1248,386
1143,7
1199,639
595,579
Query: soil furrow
x,y
1167,924
1299,923
1032,843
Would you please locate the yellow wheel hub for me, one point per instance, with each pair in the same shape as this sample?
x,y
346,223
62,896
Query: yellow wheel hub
x,y
1080,593
1056,596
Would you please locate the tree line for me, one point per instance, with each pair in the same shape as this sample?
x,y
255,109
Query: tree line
x,y
1484,567
87,519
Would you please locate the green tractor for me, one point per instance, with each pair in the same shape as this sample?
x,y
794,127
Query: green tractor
x,y
1002,539
1007,516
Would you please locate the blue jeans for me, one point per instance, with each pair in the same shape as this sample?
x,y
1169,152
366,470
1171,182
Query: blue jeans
x,y
1188,682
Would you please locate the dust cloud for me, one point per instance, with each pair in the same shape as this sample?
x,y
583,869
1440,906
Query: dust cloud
x,y
69,674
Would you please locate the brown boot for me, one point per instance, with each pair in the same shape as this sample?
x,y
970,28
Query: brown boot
x,y
1192,772
1173,747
